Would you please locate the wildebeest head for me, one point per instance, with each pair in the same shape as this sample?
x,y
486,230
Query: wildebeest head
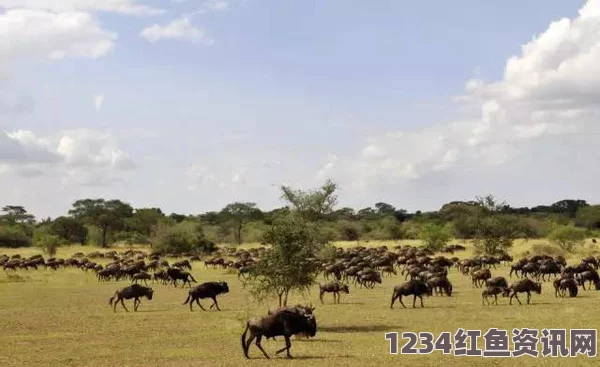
x,y
149,293
344,288
506,292
224,287
537,287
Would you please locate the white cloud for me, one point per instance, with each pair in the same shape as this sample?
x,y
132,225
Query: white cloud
x,y
39,33
57,6
178,29
98,101
78,154
551,89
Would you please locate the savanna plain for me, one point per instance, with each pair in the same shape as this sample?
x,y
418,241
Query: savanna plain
x,y
62,318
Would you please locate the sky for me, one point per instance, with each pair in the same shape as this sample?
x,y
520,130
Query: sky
x,y
189,105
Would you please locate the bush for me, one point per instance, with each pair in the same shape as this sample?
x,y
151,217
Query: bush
x,y
49,243
14,236
349,233
182,237
435,236
567,237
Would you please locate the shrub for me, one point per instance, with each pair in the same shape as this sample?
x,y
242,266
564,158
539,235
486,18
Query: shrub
x,y
14,236
182,237
435,236
49,243
567,237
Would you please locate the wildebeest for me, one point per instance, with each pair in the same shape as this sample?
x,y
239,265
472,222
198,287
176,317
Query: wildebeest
x,y
524,286
176,274
183,264
441,285
285,322
591,276
497,282
135,291
493,290
563,284
141,276
207,290
335,288
415,287
479,277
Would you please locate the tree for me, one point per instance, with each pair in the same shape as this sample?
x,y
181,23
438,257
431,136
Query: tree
x,y
567,237
494,231
314,204
69,230
49,243
290,262
144,221
568,207
435,236
107,216
14,214
589,217
238,214
184,237
384,208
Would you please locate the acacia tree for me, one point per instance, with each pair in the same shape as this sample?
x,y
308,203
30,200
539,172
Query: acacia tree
x,y
494,230
16,214
239,214
312,205
290,263
106,215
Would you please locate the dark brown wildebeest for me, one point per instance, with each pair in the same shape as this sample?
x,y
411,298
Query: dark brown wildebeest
x,y
207,290
141,276
335,288
160,276
183,264
415,287
524,286
176,274
479,277
530,269
388,270
591,276
440,285
550,268
493,291
135,291
563,284
497,282
369,279
285,322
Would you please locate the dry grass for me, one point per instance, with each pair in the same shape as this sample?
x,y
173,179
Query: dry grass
x,y
62,318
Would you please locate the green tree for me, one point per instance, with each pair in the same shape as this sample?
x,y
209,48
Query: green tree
x,y
184,237
435,236
494,231
15,214
106,215
384,208
568,207
290,262
69,230
49,243
589,217
239,214
144,221
567,237
314,204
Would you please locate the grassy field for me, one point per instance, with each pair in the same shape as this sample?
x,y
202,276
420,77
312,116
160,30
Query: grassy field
x,y
63,318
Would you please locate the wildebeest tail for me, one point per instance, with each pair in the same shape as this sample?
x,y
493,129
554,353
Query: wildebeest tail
x,y
243,339
110,301
187,299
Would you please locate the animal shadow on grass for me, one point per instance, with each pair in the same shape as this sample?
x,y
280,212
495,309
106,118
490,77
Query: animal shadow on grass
x,y
358,328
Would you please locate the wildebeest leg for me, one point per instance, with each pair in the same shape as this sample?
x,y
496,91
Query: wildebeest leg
x,y
288,345
258,339
198,302
115,305
414,300
496,299
400,299
123,304
321,293
483,299
421,298
136,304
517,297
215,303
528,297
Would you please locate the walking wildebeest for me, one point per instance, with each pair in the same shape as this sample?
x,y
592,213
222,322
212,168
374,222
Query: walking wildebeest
x,y
524,286
135,291
479,277
441,285
497,282
141,276
493,290
563,284
183,264
176,274
285,322
207,290
591,276
415,287
335,288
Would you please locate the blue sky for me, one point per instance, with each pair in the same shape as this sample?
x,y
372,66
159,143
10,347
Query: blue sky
x,y
190,105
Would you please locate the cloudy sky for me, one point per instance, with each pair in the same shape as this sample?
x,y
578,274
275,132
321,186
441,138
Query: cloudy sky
x,y
192,104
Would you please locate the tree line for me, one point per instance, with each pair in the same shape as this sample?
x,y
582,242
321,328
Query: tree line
x,y
491,223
